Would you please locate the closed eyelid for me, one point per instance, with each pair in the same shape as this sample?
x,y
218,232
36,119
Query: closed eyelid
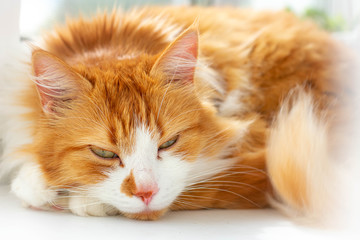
x,y
116,151
169,143
104,146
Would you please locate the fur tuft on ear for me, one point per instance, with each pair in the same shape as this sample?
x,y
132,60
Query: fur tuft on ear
x,y
56,82
178,60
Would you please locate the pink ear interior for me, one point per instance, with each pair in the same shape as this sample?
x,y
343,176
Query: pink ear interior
x,y
178,61
55,80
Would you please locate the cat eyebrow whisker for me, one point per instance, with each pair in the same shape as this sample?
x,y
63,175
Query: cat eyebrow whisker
x,y
97,107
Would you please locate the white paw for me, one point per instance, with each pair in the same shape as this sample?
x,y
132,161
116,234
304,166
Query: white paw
x,y
29,185
88,206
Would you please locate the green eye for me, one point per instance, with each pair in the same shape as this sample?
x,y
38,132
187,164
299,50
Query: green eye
x,y
168,143
103,153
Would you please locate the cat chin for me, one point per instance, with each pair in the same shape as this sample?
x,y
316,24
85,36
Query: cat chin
x,y
146,215
86,206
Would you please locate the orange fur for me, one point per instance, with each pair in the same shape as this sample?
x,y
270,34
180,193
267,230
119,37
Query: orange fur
x,y
118,61
129,186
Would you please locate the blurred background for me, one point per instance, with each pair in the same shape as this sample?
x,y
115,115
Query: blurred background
x,y
339,16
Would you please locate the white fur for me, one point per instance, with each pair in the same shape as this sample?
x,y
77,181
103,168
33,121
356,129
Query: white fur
x,y
30,187
203,169
209,77
299,141
232,104
84,205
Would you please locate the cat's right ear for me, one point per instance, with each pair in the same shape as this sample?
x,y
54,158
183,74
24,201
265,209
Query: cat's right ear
x,y
57,83
178,60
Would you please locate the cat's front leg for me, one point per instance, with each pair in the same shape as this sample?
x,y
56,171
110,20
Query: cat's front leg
x,y
29,185
83,205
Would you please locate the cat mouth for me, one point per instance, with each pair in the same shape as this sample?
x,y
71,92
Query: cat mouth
x,y
146,215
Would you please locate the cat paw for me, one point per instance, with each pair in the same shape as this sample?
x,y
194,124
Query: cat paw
x,y
29,185
88,206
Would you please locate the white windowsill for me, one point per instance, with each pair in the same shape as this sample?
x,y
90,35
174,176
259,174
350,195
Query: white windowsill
x,y
17,222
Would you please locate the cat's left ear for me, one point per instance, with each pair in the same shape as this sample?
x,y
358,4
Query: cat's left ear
x,y
178,60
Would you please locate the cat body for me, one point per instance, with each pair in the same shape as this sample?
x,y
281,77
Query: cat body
x,y
177,108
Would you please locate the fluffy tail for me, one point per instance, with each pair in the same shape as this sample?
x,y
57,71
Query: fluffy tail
x,y
298,159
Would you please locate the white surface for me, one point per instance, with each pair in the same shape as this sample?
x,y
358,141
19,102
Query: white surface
x,y
17,222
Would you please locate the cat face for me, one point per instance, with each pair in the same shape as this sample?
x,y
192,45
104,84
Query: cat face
x,y
131,133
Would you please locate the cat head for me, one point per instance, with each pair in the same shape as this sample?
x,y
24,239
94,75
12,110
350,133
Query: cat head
x,y
133,133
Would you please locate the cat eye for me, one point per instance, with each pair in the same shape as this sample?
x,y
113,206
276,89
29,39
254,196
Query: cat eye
x,y
168,143
103,153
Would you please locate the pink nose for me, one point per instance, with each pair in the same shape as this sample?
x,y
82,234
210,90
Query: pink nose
x,y
146,196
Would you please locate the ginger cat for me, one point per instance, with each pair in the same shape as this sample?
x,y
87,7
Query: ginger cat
x,y
171,108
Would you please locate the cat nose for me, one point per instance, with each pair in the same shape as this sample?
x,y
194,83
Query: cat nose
x,y
147,195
